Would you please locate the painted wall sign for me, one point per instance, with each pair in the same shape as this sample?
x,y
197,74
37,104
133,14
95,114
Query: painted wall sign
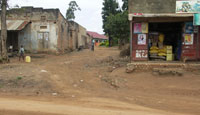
x,y
138,14
141,54
188,6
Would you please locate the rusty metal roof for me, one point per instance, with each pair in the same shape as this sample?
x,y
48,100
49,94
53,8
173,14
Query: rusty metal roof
x,y
15,24
96,35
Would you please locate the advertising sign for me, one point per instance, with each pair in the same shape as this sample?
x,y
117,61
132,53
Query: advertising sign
x,y
188,6
189,28
145,27
189,39
138,28
142,39
197,19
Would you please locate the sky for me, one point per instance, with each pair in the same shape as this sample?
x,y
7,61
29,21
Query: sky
x,y
89,17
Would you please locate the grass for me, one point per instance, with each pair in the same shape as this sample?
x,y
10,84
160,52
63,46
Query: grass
x,y
19,78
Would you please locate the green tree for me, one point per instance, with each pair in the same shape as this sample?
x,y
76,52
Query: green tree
x,y
110,7
3,48
73,6
118,25
125,5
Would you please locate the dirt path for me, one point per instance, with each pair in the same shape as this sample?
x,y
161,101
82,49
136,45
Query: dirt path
x,y
93,83
99,107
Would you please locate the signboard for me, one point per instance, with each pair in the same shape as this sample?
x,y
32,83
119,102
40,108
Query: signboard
x,y
189,38
196,19
188,6
189,28
137,28
141,28
142,39
145,27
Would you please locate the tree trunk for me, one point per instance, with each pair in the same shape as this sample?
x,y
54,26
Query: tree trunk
x,y
4,54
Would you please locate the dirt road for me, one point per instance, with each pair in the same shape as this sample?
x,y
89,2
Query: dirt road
x,y
93,83
93,107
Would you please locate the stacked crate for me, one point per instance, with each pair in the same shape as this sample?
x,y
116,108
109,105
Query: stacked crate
x,y
169,53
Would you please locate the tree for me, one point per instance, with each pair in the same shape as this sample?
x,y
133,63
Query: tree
x,y
118,25
4,55
125,5
110,7
73,6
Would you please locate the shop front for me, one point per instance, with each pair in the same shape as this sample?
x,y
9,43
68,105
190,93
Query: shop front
x,y
164,37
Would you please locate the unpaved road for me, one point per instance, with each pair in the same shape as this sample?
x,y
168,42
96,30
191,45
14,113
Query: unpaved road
x,y
93,83
99,107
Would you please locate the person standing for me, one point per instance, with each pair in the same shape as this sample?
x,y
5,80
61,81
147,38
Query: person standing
x,y
21,53
93,42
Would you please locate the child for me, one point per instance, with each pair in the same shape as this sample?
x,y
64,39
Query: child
x,y
21,53
93,43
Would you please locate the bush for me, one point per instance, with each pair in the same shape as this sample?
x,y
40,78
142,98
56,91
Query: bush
x,y
102,44
107,43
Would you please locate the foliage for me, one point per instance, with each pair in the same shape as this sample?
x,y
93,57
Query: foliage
x,y
125,5
106,43
102,44
115,21
19,78
73,6
118,25
109,7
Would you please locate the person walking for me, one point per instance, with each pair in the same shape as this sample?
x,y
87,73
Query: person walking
x,y
21,53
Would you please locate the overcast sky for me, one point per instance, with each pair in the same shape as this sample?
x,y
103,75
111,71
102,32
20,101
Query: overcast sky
x,y
89,16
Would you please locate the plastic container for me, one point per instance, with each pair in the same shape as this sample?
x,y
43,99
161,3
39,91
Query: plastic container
x,y
28,59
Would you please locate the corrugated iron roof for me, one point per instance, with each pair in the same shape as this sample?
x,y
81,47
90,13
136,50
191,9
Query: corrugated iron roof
x,y
96,35
15,24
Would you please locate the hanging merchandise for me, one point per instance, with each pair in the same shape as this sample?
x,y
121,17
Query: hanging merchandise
x,y
161,38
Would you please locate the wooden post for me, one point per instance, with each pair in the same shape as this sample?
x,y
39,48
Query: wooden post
x,y
131,40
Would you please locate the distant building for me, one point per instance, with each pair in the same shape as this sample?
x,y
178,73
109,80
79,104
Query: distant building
x,y
40,30
99,38
78,36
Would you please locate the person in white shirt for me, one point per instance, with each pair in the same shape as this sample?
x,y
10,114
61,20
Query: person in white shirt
x,y
21,53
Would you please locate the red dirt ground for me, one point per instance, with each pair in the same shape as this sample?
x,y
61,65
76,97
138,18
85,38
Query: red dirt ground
x,y
81,83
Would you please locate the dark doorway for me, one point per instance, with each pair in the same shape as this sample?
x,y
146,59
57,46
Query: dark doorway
x,y
12,40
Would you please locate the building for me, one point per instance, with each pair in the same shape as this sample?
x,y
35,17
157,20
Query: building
x,y
78,36
163,30
40,30
98,38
